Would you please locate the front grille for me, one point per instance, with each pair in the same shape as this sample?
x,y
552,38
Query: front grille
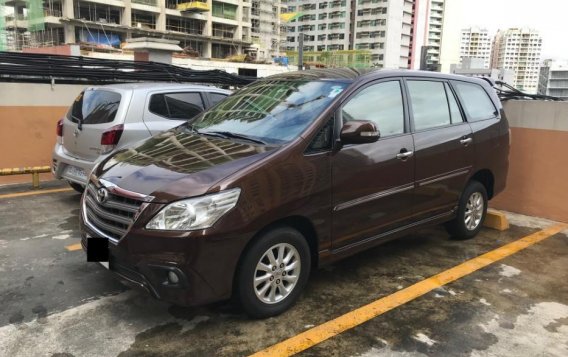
x,y
112,217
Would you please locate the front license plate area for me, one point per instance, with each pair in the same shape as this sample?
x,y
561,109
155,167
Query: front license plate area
x,y
98,251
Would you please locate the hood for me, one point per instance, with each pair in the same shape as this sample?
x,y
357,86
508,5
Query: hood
x,y
176,164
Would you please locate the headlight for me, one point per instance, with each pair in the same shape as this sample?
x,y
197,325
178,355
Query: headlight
x,y
195,213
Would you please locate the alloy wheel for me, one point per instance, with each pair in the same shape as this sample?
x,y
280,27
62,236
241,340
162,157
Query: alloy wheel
x,y
474,211
277,273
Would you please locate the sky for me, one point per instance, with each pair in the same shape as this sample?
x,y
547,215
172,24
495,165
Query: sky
x,y
549,17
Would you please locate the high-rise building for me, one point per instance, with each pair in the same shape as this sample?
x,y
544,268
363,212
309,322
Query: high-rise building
x,y
519,49
268,30
553,79
475,43
207,28
382,27
434,32
434,43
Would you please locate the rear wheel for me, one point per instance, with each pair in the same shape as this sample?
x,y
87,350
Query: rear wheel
x,y
471,212
273,272
77,187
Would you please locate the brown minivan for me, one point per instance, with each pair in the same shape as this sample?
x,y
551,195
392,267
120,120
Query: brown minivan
x,y
293,172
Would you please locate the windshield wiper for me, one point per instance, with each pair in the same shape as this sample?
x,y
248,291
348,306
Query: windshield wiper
x,y
293,105
228,134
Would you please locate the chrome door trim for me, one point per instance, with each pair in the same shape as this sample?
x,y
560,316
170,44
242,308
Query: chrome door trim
x,y
373,196
449,175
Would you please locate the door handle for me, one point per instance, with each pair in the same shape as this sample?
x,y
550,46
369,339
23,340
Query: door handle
x,y
403,155
466,141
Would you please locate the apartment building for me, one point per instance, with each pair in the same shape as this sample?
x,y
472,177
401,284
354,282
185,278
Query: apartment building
x,y
475,43
382,27
519,49
207,28
268,30
553,78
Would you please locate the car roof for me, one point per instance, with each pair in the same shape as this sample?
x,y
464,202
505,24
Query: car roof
x,y
157,85
354,74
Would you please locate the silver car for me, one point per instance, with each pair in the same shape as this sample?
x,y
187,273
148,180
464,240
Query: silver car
x,y
103,119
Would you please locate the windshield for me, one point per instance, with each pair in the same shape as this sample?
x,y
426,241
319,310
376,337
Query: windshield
x,y
273,112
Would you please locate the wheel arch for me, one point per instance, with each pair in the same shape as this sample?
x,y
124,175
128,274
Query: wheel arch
x,y
299,223
487,179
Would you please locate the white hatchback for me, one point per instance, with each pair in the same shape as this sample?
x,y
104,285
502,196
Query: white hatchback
x,y
103,119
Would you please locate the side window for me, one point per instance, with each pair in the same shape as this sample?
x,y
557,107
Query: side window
x,y
176,105
475,101
380,103
429,104
322,140
454,108
215,98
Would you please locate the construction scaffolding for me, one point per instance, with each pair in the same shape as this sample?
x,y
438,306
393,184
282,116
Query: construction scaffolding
x,y
332,59
267,32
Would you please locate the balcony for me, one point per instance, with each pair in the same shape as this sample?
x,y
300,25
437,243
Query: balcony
x,y
193,6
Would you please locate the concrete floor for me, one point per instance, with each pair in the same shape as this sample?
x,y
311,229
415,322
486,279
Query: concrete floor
x,y
54,303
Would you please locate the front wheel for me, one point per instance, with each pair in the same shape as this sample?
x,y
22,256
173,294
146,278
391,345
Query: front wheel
x,y
273,272
471,212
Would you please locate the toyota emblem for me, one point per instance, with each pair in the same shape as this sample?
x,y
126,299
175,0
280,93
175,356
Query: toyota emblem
x,y
102,195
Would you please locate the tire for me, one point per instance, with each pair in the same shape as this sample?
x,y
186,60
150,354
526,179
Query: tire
x,y
77,187
258,301
474,194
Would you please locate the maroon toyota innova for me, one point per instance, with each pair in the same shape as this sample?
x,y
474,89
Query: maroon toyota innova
x,y
293,172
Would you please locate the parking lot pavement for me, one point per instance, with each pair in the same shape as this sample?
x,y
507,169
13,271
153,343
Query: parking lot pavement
x,y
55,303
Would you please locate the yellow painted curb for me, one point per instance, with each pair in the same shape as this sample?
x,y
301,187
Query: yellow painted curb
x,y
496,220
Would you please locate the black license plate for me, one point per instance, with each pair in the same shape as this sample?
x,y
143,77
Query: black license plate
x,y
97,250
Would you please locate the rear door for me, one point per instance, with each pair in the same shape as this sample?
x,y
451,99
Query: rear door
x,y
93,112
166,110
443,146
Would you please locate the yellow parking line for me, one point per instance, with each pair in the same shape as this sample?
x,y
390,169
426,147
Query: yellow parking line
x,y
365,313
73,247
31,193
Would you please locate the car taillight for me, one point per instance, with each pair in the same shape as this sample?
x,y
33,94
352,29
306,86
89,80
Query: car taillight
x,y
110,138
59,131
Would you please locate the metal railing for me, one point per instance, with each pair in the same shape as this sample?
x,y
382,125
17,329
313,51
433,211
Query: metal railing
x,y
34,171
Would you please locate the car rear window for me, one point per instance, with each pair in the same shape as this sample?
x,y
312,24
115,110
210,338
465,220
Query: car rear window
x,y
475,101
95,107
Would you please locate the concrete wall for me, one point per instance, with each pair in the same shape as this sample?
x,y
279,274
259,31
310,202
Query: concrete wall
x,y
538,171
28,116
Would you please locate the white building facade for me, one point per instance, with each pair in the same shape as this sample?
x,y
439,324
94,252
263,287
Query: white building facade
x,y
553,79
519,49
475,43
382,27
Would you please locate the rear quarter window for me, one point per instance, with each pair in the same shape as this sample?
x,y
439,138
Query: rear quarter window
x,y
215,98
475,101
95,107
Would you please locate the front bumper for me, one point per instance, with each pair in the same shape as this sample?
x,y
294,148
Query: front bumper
x,y
60,161
205,266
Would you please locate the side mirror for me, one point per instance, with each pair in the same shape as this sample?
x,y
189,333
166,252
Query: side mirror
x,y
359,132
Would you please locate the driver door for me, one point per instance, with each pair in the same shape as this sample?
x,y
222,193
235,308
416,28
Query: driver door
x,y
373,183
